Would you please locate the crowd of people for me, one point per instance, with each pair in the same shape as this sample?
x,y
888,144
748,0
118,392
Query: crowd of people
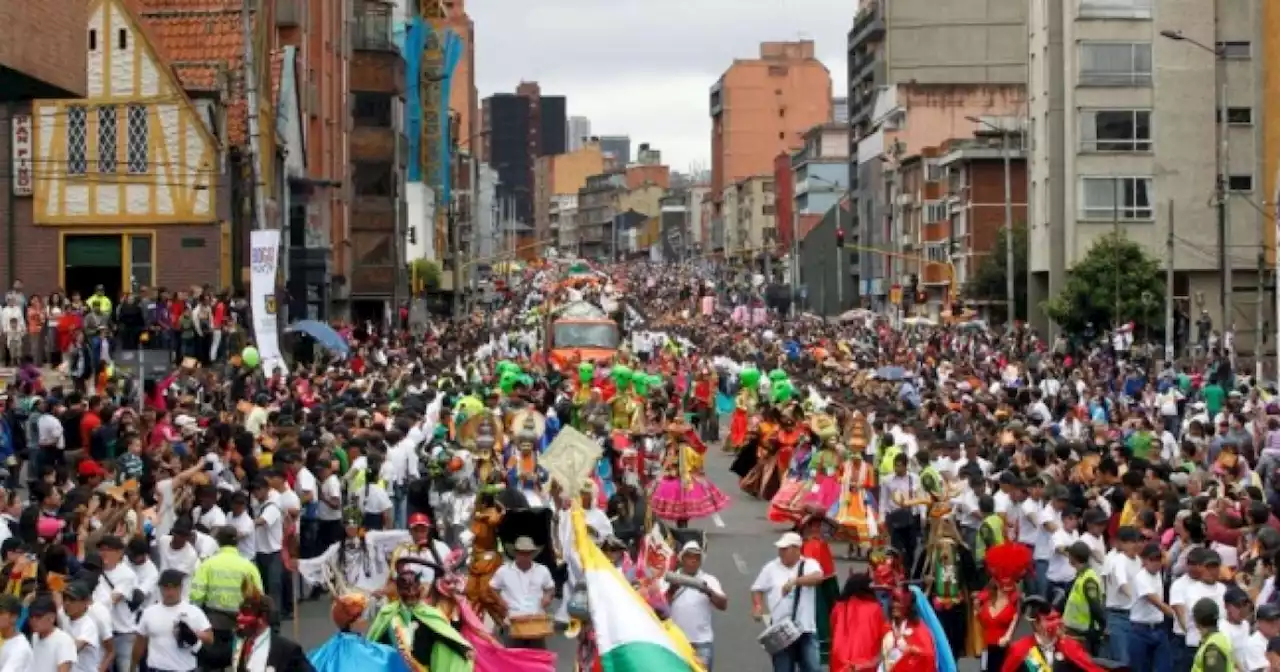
x,y
984,481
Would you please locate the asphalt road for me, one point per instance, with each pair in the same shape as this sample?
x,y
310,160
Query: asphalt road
x,y
735,554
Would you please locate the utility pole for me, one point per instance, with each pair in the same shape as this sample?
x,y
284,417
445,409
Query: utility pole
x,y
1008,231
1115,229
1258,332
247,8
1224,237
1168,289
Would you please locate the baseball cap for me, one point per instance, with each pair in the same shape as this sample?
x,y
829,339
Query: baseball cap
x,y
1269,612
789,540
171,577
694,547
90,468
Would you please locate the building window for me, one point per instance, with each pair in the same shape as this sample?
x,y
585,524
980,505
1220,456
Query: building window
x,y
933,172
77,139
1236,116
138,128
936,252
93,40
1115,64
1115,130
1115,9
777,71
1236,51
373,179
140,261
1239,183
766,209
107,139
935,211
1111,198
372,109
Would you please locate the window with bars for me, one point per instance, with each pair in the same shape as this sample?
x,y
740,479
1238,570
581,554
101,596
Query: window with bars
x,y
77,139
107,139
138,141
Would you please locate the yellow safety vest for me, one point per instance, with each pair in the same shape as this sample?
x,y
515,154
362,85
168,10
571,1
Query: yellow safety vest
x,y
219,581
1218,641
886,461
1076,615
995,524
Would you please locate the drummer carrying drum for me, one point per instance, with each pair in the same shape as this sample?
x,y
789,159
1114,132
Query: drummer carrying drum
x,y
527,589
783,596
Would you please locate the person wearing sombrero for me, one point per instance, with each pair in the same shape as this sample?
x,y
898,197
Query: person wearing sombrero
x,y
684,492
421,633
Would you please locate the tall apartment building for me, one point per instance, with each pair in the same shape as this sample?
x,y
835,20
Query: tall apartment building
x,y
577,133
917,68
1123,126
519,128
617,146
761,106
464,98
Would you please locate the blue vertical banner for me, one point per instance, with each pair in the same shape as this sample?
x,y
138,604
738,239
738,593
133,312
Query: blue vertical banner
x,y
411,50
451,52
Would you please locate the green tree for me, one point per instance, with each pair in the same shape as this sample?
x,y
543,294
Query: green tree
x,y
425,275
1114,264
988,282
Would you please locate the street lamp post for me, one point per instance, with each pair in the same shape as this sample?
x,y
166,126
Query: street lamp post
x,y
1220,186
1006,153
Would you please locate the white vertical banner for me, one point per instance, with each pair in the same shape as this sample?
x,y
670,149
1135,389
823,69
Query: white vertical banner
x,y
23,146
264,263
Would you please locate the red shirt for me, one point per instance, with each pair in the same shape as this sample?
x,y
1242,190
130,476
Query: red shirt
x,y
176,309
219,314
88,422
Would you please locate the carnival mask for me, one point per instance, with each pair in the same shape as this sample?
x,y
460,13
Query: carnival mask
x,y
1051,625
249,623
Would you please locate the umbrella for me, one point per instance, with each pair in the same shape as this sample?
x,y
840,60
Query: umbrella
x,y
891,373
856,314
324,335
919,321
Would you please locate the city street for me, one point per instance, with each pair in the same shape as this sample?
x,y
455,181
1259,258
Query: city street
x,y
736,553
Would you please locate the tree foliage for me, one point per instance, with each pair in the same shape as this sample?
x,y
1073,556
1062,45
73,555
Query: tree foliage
x,y
988,282
425,275
1114,264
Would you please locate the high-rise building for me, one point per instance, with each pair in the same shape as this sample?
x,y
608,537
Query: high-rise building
x,y
577,133
761,107
840,110
915,73
1127,107
464,98
618,147
519,128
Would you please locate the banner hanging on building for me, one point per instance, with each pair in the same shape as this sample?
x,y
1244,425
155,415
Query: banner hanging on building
x,y
23,177
264,263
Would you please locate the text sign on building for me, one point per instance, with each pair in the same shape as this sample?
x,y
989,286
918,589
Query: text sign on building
x,y
23,165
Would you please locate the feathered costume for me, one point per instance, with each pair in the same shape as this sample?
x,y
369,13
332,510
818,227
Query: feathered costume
x,y
998,606
747,401
813,483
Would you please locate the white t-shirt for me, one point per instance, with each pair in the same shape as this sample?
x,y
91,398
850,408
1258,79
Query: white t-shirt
x,y
158,623
1193,593
117,581
1060,569
1118,572
374,499
1239,637
15,655
148,581
1145,583
692,609
184,559
47,653
245,530
332,487
1251,656
1028,525
168,514
522,591
292,504
269,537
84,630
773,576
211,519
306,482
1049,517
1097,551
1177,596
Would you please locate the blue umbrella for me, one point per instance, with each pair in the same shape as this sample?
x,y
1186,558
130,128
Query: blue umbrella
x,y
324,335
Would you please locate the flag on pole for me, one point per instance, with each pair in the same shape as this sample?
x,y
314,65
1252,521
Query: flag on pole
x,y
629,636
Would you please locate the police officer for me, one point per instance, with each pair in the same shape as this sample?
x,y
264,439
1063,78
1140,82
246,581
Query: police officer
x,y
1214,654
218,587
1084,615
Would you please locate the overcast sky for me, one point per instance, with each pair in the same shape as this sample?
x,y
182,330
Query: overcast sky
x,y
644,68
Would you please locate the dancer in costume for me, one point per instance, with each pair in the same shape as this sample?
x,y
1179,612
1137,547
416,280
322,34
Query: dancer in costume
x,y
422,545
999,605
685,492
947,586
485,558
909,645
747,401
1046,648
858,627
358,564
856,512
256,648
423,635
704,403
812,529
765,476
818,488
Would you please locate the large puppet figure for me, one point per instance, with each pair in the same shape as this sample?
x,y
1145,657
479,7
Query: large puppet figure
x,y
423,635
856,511
1046,648
523,471
485,558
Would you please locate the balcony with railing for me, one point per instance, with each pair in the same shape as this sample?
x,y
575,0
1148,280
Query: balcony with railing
x,y
868,24
373,27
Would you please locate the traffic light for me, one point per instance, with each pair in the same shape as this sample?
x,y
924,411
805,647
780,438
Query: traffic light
x,y
413,235
840,236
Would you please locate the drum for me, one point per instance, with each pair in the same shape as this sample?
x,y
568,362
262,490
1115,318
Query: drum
x,y
778,636
535,626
